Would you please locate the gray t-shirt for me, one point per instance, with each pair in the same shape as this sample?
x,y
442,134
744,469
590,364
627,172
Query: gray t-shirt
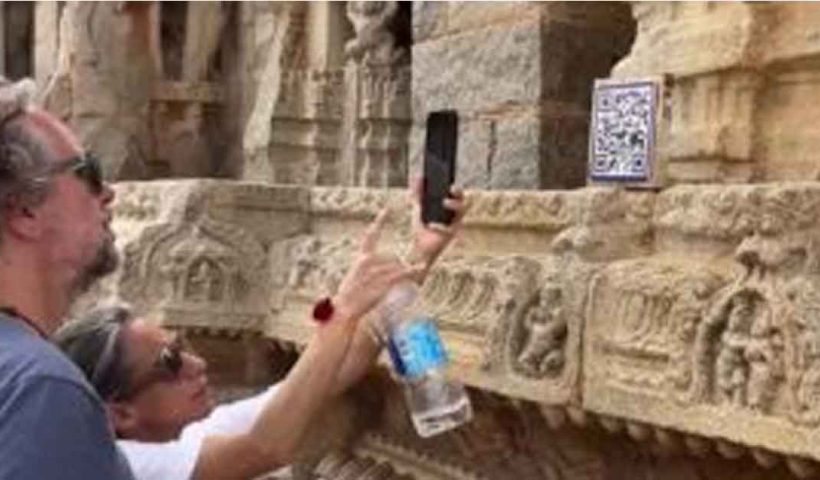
x,y
52,424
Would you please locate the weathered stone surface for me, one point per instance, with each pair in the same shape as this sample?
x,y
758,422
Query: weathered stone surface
x,y
501,63
462,16
476,149
455,72
660,311
429,20
560,150
46,41
270,37
689,37
743,78
190,260
110,84
682,339
516,160
681,320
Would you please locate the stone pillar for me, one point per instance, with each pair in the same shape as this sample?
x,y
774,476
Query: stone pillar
x,y
46,40
108,74
707,49
268,45
326,37
787,137
377,98
520,76
744,82
204,25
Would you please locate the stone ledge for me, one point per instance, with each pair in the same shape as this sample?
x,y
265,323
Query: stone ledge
x,y
664,310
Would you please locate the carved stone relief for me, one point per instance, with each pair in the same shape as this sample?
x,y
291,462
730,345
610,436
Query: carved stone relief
x,y
333,125
200,274
670,342
374,43
545,325
273,32
197,254
739,351
733,340
647,326
107,70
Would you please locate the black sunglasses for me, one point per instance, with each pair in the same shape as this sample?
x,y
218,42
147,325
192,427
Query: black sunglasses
x,y
87,168
165,369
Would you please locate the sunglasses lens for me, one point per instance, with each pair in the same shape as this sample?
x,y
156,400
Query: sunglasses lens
x,y
171,360
90,171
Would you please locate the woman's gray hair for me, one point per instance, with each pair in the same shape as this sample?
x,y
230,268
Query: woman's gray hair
x,y
94,342
23,158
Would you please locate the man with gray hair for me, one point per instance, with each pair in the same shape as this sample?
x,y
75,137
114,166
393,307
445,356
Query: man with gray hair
x,y
54,242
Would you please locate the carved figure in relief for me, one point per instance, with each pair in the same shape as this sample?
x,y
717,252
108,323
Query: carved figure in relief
x,y
305,262
731,369
318,266
764,356
174,272
543,350
806,383
748,352
374,43
205,281
686,313
808,387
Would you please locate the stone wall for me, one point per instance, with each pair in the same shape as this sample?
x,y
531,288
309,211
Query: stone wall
x,y
645,315
520,75
742,106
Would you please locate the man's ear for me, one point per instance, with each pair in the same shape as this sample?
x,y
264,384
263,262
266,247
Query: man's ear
x,y
22,220
122,416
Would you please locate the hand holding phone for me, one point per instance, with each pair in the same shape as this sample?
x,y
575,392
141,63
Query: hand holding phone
x,y
440,144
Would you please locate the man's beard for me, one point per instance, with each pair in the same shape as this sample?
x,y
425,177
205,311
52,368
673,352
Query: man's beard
x,y
106,260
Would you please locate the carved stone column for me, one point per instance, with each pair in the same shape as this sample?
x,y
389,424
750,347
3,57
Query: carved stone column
x,y
269,33
743,76
104,80
46,40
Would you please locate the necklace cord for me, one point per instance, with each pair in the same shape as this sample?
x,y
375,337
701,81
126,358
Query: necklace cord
x,y
12,312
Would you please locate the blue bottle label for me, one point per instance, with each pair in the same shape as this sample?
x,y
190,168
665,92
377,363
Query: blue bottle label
x,y
415,347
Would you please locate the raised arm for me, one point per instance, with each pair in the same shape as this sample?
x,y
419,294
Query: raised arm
x,y
429,241
281,426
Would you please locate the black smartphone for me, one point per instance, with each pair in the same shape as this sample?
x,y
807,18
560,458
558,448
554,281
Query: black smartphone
x,y
441,140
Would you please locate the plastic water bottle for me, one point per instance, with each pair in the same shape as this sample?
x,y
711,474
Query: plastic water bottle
x,y
418,356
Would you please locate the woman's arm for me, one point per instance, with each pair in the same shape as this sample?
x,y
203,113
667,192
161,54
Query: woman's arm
x,y
281,426
276,434
428,244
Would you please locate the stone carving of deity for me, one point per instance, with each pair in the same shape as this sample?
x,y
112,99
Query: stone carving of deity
x,y
748,357
374,43
205,282
546,328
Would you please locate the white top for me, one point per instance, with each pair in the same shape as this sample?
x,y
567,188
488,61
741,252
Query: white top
x,y
175,460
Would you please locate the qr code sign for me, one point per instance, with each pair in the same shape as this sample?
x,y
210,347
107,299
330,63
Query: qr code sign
x,y
623,131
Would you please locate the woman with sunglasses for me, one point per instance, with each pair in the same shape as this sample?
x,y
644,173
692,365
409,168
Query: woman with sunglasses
x,y
156,390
